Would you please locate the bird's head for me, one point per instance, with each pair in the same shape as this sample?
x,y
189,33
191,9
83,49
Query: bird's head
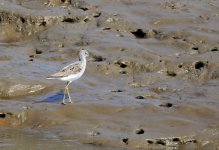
x,y
83,53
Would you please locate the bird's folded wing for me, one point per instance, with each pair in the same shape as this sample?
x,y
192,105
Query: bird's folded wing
x,y
68,70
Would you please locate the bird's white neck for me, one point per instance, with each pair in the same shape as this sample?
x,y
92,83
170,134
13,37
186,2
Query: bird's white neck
x,y
83,60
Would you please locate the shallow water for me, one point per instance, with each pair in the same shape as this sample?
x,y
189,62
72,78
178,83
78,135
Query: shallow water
x,y
153,66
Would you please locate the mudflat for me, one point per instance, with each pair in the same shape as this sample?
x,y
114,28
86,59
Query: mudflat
x,y
151,80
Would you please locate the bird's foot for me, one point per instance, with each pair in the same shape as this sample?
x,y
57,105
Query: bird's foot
x,y
63,103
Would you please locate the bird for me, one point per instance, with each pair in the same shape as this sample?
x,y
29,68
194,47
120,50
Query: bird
x,y
71,72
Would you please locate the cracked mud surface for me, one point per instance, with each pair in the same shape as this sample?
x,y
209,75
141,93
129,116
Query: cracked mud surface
x,y
151,80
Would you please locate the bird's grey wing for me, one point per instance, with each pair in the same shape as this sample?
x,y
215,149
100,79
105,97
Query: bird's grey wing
x,y
73,68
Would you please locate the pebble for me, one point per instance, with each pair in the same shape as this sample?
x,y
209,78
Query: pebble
x,y
214,49
31,56
123,72
125,140
117,90
199,65
2,115
171,73
139,131
195,48
168,105
152,32
94,133
96,14
139,33
139,97
122,64
38,51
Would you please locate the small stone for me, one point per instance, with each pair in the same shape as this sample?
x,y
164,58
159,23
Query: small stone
x,y
83,8
122,64
214,49
199,65
190,141
161,142
69,20
96,14
117,90
205,143
38,51
106,28
123,72
94,133
195,48
171,73
152,32
177,54
176,139
166,105
125,140
180,66
110,20
86,19
150,142
139,131
139,97
2,115
139,33
31,56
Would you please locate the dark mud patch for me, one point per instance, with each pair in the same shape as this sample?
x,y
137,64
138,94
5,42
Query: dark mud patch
x,y
199,65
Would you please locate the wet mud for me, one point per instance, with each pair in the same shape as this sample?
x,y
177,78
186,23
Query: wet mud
x,y
151,80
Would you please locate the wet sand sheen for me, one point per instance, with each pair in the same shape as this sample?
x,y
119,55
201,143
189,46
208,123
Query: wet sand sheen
x,y
151,80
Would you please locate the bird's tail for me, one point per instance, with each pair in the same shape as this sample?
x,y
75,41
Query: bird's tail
x,y
51,77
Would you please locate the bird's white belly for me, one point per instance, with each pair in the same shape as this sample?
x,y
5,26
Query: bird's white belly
x,y
72,77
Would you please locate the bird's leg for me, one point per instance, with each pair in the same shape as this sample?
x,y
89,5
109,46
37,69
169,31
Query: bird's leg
x,y
69,96
63,100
